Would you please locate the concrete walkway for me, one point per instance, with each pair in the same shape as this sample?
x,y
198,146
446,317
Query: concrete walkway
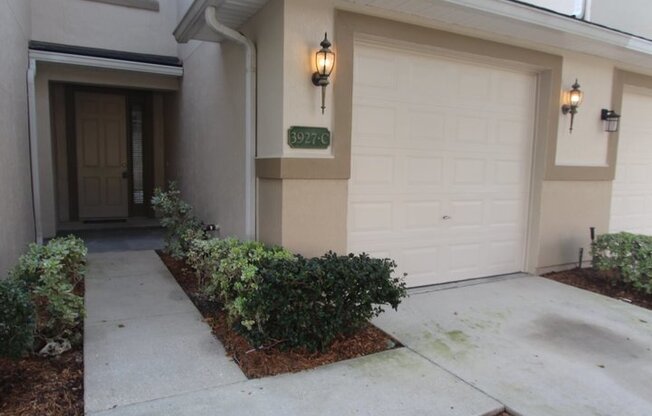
x,y
143,338
540,347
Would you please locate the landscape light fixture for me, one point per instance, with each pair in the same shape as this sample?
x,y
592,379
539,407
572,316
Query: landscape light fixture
x,y
324,61
573,100
611,120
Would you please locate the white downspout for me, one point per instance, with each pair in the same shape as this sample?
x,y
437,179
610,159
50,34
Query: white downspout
x,y
250,115
33,150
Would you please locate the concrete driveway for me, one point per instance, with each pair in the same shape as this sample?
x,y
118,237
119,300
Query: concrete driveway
x,y
539,347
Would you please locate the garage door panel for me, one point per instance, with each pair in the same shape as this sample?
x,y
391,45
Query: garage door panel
x,y
375,123
631,202
445,173
366,75
371,216
422,215
510,132
373,170
509,172
421,170
465,260
472,130
427,125
466,213
469,171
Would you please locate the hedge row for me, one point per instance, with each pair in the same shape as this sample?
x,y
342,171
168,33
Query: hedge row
x,y
274,296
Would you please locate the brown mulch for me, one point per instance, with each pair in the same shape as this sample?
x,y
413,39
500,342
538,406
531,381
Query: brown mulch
x,y
40,386
271,360
43,386
603,283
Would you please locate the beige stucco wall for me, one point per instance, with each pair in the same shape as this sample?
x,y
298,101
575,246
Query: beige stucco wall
x,y
265,29
16,202
568,210
106,26
207,155
303,215
587,145
312,215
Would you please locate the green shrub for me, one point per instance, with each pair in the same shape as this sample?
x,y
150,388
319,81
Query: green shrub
x,y
309,302
629,255
229,270
51,272
270,295
17,320
181,226
68,252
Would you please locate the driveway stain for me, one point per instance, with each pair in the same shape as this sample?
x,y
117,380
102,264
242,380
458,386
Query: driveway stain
x,y
584,339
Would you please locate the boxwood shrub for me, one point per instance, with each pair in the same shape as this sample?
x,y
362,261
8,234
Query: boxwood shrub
x,y
17,319
627,254
273,296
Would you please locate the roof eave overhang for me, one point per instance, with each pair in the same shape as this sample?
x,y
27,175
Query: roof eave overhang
x,y
519,23
193,24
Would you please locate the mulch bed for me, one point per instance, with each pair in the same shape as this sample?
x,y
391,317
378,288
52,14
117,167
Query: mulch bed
x,y
271,360
603,283
39,386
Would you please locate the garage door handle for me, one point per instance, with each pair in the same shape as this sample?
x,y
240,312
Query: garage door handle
x,y
446,218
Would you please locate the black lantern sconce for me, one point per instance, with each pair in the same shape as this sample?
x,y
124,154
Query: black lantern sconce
x,y
573,100
325,62
611,120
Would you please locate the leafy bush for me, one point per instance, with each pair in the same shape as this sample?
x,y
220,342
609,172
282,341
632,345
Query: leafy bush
x,y
270,295
17,319
309,302
181,226
630,255
50,273
229,271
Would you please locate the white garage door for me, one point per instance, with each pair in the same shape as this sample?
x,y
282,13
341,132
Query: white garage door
x,y
441,157
631,202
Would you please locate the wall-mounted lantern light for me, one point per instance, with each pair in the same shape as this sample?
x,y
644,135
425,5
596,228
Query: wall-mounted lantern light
x,y
611,120
324,61
572,101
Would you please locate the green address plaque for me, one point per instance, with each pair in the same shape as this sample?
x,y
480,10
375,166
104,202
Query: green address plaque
x,y
300,137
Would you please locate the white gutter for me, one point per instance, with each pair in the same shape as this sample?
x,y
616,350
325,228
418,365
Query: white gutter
x,y
250,115
33,149
107,63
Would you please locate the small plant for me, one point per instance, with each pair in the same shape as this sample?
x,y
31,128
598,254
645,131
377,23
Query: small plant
x,y
181,226
629,255
229,270
50,273
17,319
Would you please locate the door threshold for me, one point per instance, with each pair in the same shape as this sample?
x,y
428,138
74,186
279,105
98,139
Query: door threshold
x,y
105,221
108,224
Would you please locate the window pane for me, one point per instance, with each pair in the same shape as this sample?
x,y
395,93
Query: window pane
x,y
137,153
